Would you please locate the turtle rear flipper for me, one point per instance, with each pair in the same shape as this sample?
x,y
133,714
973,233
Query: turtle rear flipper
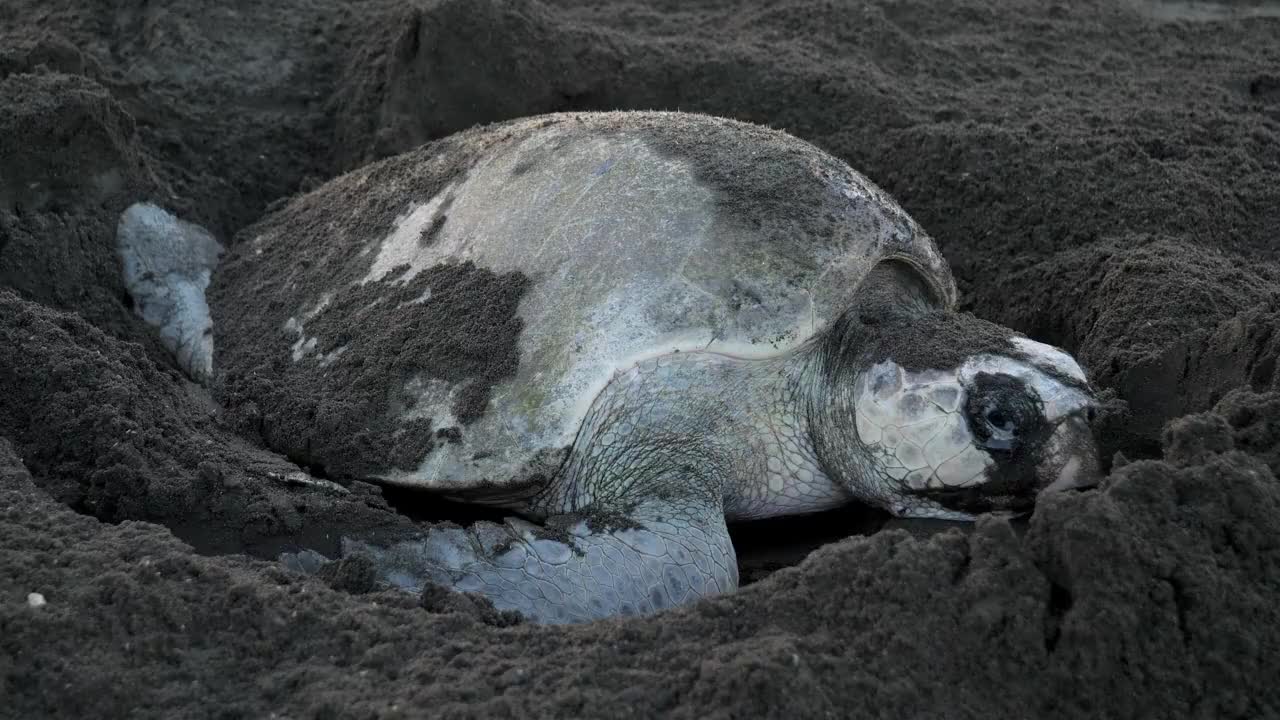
x,y
668,553
166,266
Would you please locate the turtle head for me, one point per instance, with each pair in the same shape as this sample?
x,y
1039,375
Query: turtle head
x,y
988,435
932,413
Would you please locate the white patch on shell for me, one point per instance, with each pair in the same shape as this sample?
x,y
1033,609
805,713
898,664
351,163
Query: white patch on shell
x,y
329,358
914,425
325,299
431,398
434,399
404,245
302,345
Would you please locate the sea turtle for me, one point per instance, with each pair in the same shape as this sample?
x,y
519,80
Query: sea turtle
x,y
627,328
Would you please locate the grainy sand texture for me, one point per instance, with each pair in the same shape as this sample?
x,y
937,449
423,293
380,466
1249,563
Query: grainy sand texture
x,y
1104,176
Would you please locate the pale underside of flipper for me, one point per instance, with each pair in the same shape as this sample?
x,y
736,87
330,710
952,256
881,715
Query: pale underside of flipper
x,y
166,266
666,555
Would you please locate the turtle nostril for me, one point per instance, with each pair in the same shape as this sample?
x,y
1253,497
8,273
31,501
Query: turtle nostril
x,y
1091,413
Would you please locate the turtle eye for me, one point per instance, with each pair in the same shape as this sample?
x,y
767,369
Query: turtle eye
x,y
997,419
1002,410
1002,431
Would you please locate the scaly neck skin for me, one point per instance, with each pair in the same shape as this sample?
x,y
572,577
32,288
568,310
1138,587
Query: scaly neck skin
x,y
785,476
702,422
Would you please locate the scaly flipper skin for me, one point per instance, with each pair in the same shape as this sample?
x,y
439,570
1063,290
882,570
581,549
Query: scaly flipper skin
x,y
672,553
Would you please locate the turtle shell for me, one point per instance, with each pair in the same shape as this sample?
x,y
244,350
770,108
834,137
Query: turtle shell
x,y
444,318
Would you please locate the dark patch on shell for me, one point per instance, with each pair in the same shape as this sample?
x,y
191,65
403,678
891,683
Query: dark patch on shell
x,y
345,414
473,398
340,407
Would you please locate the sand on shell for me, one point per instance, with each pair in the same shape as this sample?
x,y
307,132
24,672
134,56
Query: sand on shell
x,y
1104,176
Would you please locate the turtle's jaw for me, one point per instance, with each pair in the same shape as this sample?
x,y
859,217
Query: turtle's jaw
x,y
1067,460
1070,459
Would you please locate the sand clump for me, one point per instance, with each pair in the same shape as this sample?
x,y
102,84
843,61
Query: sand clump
x,y
1095,176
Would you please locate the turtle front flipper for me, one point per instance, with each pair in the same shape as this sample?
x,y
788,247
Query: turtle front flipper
x,y
581,568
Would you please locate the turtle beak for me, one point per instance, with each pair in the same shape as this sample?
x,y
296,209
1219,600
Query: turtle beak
x,y
1070,460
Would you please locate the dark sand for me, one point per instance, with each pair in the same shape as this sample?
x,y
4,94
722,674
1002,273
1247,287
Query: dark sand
x,y
1105,176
